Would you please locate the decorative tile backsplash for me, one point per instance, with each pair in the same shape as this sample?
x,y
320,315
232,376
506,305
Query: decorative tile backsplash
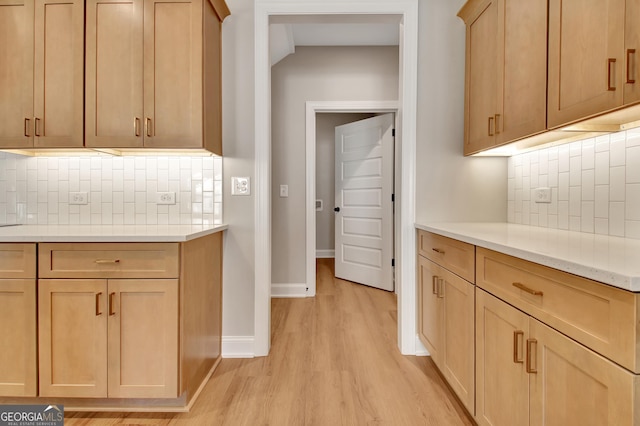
x,y
595,186
121,190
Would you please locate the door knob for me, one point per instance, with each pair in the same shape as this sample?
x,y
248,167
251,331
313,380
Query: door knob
x,y
336,209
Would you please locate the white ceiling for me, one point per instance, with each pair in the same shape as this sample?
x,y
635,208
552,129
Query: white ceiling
x,y
287,32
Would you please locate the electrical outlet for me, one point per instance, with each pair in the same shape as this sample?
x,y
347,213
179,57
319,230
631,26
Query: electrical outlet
x,y
240,186
165,197
284,191
78,198
542,195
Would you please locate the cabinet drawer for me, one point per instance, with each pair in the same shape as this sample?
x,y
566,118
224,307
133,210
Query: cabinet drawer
x,y
108,260
17,260
456,256
601,317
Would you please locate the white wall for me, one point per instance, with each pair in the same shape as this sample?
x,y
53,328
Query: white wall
x,y
595,186
450,187
120,190
313,74
238,145
325,175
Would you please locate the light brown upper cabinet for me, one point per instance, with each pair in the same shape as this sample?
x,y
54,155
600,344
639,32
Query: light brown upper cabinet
x,y
41,73
586,58
154,74
632,52
506,66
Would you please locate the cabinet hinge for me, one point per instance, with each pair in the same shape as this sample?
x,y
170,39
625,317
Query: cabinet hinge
x,y
393,132
393,262
393,198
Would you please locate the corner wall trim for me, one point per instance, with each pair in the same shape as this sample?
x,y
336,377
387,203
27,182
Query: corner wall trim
x,y
289,290
325,254
420,348
238,347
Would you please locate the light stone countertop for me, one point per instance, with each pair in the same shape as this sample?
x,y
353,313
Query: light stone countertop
x,y
105,233
610,260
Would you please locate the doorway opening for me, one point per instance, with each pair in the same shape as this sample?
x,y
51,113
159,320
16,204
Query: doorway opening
x,y
321,120
405,162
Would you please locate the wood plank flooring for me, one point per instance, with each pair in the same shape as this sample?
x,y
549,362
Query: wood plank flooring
x,y
334,361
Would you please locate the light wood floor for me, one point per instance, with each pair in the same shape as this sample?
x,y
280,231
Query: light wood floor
x,y
334,361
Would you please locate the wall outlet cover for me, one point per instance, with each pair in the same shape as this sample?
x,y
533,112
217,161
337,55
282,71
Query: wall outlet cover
x,y
240,186
78,198
542,195
165,198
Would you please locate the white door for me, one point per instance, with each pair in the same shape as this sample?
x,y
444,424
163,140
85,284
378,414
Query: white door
x,y
363,205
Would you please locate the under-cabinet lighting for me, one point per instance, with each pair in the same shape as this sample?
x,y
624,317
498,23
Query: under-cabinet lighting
x,y
83,152
611,122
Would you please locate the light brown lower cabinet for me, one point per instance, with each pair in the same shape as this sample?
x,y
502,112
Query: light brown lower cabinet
x,y
529,374
18,374
108,338
18,337
110,326
446,326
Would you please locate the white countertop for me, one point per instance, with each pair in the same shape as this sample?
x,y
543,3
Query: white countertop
x,y
610,260
105,233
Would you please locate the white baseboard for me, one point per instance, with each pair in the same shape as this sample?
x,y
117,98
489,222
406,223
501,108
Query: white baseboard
x,y
288,290
325,254
420,349
238,347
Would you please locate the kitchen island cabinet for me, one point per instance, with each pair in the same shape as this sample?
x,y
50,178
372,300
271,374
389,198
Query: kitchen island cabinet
x,y
41,73
154,74
126,326
18,370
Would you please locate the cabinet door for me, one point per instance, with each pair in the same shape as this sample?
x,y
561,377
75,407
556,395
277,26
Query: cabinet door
x,y
522,76
502,382
173,73
212,79
632,52
575,386
143,338
481,79
586,58
430,307
16,73
114,116
59,73
72,325
458,344
18,373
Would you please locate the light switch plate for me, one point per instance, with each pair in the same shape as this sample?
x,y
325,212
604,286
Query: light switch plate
x,y
240,186
284,191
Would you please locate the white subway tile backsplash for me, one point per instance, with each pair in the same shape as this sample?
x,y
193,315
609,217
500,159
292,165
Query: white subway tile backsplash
x,y
588,154
595,186
617,185
121,190
633,157
617,148
588,185
602,168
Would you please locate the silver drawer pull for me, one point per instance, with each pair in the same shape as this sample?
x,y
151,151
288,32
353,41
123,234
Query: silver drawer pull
x,y
527,289
107,261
